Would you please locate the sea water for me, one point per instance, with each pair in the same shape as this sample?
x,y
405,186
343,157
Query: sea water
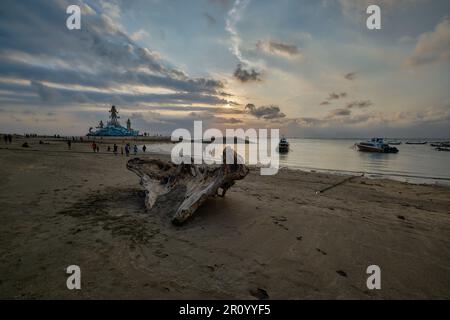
x,y
413,163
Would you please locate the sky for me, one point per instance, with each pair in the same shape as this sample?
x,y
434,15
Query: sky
x,y
308,67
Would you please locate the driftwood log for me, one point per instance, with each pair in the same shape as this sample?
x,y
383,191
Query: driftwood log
x,y
195,183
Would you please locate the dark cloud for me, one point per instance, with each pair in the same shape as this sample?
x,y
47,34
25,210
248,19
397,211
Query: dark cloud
x,y
350,76
335,96
100,55
359,104
265,112
57,96
244,75
339,113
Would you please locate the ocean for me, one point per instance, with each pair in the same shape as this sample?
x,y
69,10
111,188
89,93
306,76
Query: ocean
x,y
413,163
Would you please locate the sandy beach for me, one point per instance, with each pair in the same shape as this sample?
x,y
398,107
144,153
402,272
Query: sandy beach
x,y
61,207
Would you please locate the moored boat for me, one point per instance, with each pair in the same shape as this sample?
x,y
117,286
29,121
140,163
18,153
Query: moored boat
x,y
283,146
416,142
376,145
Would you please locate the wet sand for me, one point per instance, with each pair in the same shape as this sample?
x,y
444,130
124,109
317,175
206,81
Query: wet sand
x,y
274,233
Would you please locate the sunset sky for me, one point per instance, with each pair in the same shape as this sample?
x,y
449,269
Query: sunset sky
x,y
310,68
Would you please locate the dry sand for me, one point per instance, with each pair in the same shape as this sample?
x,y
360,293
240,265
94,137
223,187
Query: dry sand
x,y
59,208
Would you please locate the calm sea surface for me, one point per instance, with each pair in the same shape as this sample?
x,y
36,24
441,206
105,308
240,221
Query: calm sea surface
x,y
413,163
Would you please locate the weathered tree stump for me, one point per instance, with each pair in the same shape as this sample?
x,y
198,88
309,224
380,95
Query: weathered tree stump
x,y
198,182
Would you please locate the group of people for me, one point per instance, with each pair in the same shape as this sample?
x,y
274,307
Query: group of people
x,y
7,138
115,148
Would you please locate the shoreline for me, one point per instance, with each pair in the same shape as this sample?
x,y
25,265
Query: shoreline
x,y
406,178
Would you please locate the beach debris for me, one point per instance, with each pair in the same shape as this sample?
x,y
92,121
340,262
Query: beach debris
x,y
192,184
339,183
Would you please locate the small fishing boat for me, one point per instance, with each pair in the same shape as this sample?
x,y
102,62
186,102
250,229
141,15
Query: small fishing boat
x,y
395,143
376,145
283,146
416,142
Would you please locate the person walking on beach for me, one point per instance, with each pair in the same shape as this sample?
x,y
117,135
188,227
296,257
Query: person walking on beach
x,y
69,144
135,149
127,149
98,148
121,150
115,149
144,148
94,146
10,138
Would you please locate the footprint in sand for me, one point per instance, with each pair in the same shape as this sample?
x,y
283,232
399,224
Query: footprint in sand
x,y
278,221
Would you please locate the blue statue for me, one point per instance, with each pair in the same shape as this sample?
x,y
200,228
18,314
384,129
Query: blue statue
x,y
113,127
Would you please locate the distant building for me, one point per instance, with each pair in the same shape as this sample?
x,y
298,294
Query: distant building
x,y
113,127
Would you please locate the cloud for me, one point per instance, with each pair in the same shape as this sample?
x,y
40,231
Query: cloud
x,y
432,47
189,108
339,112
278,48
244,75
350,76
265,112
359,104
102,56
139,35
227,120
234,15
60,96
336,96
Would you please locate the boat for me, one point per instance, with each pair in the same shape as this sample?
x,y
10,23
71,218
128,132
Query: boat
x,y
395,143
376,145
442,149
283,146
416,142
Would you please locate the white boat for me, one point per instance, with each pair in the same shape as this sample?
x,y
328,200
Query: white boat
x,y
376,145
283,146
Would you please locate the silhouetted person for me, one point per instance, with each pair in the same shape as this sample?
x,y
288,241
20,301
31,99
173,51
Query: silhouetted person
x,y
69,144
127,149
10,138
135,149
115,149
144,148
94,146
